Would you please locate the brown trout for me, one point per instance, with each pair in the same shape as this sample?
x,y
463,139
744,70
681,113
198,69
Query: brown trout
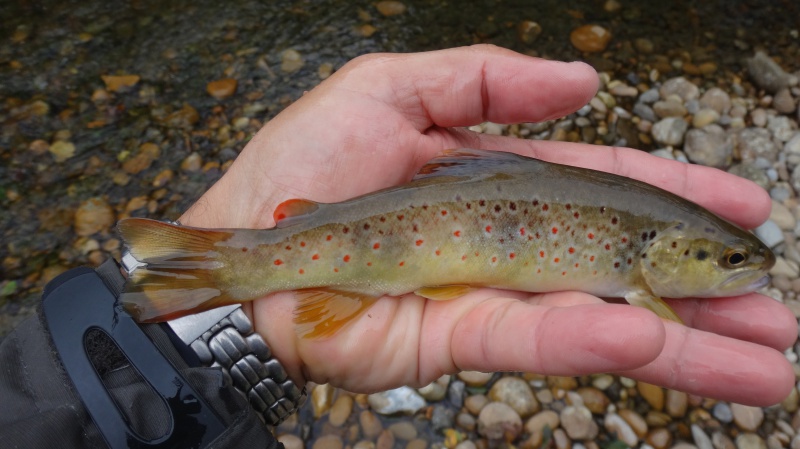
x,y
468,219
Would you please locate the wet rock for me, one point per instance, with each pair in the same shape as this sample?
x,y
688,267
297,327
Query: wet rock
x,y
466,445
578,423
417,443
325,70
746,417
590,38
783,102
614,423
681,87
653,394
399,400
475,403
783,267
385,440
222,89
750,441
371,426
716,99
782,216
595,400
192,163
340,410
39,147
390,8
748,170
659,438
328,442
710,146
602,381
769,233
669,131
184,117
635,420
792,150
93,215
466,422
757,142
475,378
291,61
705,117
701,439
644,111
148,152
516,393
538,422
565,383
722,441
456,392
677,403
163,178
322,399
62,150
767,74
403,430
643,45
442,417
498,421
669,108
528,31
434,391
117,83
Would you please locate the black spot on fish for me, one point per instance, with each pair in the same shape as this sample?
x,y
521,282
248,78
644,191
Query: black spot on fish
x,y
602,209
652,235
424,207
702,255
512,205
644,236
497,208
679,226
535,202
686,253
644,255
469,206
366,226
674,244
614,220
568,206
482,202
345,230
711,230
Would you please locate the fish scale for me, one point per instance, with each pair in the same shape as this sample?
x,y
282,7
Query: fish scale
x,y
469,219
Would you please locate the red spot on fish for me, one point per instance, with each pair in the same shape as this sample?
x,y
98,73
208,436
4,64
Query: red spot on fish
x,y
419,242
369,264
538,270
329,237
444,212
482,202
415,228
497,208
278,262
464,257
402,263
494,259
288,247
376,246
279,217
382,219
346,258
512,205
630,261
591,259
457,233
335,270
315,257
488,229
244,250
400,217
576,215
602,209
577,265
568,206
541,254
477,254
346,230
616,264
522,231
608,247
303,244
512,255
555,230
301,271
556,260
545,207
366,226
594,273
535,202
537,235
571,250
624,239
563,273
438,252
469,205
591,236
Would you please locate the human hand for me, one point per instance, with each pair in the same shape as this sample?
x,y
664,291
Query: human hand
x,y
379,119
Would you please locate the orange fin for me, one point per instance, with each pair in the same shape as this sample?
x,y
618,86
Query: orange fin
x,y
178,275
290,210
444,292
322,312
468,162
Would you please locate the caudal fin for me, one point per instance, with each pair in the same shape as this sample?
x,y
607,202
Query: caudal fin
x,y
180,271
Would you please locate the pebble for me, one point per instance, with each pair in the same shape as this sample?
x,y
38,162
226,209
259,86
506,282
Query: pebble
x,y
221,89
192,163
659,438
746,417
400,400
578,423
456,392
615,424
118,83
515,392
750,441
783,102
466,445
390,8
475,378
669,131
538,422
757,142
676,403
528,31
701,439
433,392
681,87
385,440
792,150
643,45
442,417
590,38
635,420
291,61
653,394
710,146
595,400
498,421
92,216
782,216
669,108
185,117
370,424
466,421
322,399
602,381
403,430
785,268
328,442
722,411
290,441
475,403
340,410
716,99
416,443
705,117
767,74
325,70
62,150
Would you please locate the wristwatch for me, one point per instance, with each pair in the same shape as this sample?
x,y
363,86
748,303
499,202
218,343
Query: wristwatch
x,y
224,338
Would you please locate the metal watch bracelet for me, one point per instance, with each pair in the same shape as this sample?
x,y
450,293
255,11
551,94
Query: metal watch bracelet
x,y
224,338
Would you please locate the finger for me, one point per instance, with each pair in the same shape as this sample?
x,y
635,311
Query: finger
x,y
731,197
469,85
503,335
753,317
709,365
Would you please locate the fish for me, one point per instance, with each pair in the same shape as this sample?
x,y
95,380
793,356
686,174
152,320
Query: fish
x,y
469,219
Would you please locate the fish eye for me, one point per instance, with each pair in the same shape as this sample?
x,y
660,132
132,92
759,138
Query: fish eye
x,y
735,258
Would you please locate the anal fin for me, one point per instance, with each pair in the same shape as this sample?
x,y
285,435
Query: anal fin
x,y
653,304
321,313
444,292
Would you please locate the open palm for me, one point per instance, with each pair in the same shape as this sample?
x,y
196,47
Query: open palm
x,y
380,118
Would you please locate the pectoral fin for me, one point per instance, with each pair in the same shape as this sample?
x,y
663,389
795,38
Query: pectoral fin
x,y
321,313
444,292
653,304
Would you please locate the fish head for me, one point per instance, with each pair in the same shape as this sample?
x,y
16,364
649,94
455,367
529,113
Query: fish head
x,y
714,261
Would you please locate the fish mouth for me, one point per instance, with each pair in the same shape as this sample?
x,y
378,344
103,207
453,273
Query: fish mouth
x,y
735,282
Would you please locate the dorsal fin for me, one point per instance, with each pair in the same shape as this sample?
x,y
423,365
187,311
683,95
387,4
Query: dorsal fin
x,y
290,211
463,162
